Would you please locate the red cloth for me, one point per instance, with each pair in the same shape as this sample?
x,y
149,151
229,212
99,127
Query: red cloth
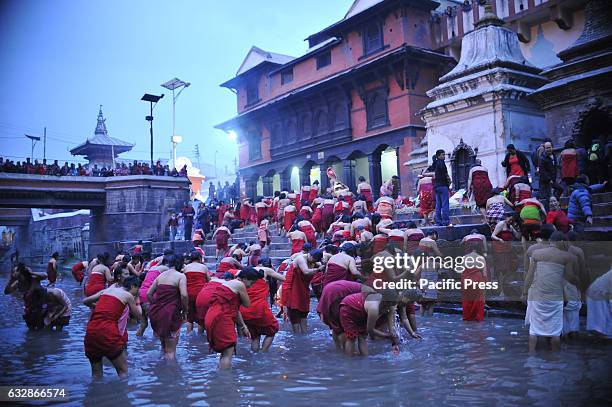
x,y
245,213
311,235
367,193
164,311
426,199
51,273
379,243
296,245
481,185
306,214
258,316
203,300
195,282
288,220
506,245
472,299
335,272
327,216
515,166
316,219
353,317
313,194
78,271
102,337
559,219
287,285
299,295
221,239
569,164
329,303
412,242
96,282
220,320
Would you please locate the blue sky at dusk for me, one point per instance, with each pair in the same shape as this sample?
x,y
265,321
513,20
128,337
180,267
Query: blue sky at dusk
x,y
61,59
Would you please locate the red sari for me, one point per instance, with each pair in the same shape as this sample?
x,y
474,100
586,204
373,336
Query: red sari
x,y
296,245
379,242
244,213
316,219
78,272
288,220
96,283
287,285
165,311
472,299
102,337
203,300
329,303
220,320
353,316
299,295
311,234
426,199
327,216
51,272
335,272
195,282
481,186
258,316
221,239
254,258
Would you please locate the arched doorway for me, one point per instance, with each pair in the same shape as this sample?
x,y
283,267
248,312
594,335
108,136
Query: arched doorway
x,y
462,159
595,123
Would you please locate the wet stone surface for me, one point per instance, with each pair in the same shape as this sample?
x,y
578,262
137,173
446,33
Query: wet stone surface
x,y
457,363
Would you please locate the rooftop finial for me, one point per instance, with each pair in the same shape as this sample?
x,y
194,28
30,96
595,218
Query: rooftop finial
x,y
101,126
489,17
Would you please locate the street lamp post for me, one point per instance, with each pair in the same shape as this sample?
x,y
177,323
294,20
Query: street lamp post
x,y
34,140
152,99
173,85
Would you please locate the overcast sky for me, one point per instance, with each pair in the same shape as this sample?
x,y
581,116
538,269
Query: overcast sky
x,y
61,59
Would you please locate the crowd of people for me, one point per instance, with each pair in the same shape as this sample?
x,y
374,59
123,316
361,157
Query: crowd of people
x,y
336,237
86,170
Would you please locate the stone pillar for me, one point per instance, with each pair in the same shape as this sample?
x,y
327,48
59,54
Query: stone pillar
x,y
268,186
348,174
285,180
324,180
398,163
375,173
304,176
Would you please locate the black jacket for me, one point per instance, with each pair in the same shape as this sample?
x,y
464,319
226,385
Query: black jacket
x,y
523,162
441,177
548,168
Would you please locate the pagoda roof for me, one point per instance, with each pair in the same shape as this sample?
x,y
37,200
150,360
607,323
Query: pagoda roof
x,y
100,140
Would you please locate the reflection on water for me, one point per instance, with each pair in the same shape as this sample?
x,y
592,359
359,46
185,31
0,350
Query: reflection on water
x,y
456,363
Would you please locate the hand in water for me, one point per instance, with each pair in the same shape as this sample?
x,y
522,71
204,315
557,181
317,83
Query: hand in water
x,y
246,332
416,335
395,350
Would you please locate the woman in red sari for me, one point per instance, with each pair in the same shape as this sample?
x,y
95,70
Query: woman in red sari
x,y
426,197
308,228
479,185
104,336
329,306
169,304
258,316
297,239
298,297
78,271
99,276
223,313
472,298
327,213
245,211
197,277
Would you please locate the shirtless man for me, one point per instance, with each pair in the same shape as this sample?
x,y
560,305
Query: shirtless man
x,y
544,291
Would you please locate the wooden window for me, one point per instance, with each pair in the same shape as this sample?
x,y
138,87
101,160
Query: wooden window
x,y
321,123
323,59
372,38
254,142
286,76
376,109
252,93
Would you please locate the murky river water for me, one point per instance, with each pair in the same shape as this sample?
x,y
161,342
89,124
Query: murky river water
x,y
456,363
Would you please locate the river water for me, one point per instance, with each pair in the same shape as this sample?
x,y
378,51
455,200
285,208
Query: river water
x,y
457,363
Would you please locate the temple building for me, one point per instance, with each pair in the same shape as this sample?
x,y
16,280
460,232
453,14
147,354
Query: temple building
x,y
358,98
101,149
349,102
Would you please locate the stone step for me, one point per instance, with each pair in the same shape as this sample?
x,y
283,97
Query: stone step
x,y
602,209
603,221
597,233
598,198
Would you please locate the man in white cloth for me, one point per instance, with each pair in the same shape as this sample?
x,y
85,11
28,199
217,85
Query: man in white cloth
x,y
599,305
544,288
